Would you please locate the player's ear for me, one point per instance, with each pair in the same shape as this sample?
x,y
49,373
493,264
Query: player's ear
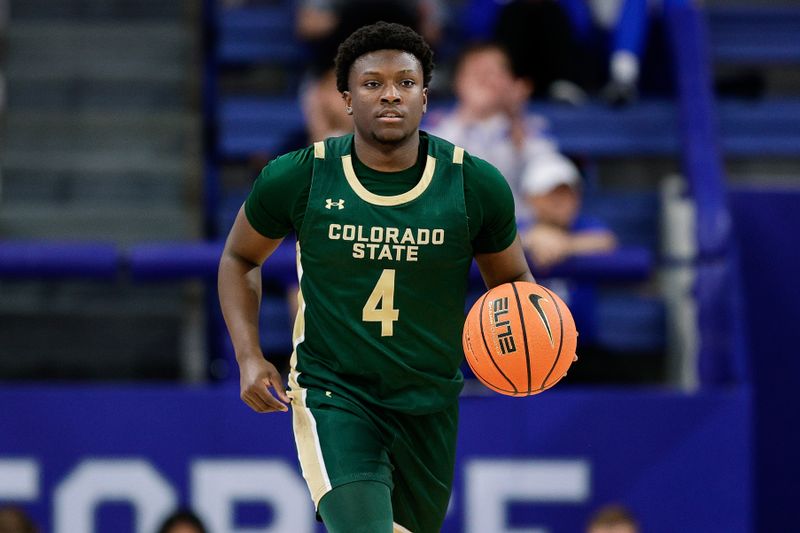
x,y
424,100
348,102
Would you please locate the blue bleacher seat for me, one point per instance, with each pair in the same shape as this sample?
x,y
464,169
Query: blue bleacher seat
x,y
263,34
633,216
755,34
252,125
647,128
760,128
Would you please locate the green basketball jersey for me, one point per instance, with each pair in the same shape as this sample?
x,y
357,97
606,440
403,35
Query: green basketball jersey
x,y
383,282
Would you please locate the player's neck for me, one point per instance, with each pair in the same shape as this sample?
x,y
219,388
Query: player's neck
x,y
387,157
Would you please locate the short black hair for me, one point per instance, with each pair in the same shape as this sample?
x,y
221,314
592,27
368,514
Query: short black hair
x,y
382,36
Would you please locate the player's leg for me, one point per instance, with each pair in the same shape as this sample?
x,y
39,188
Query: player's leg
x,y
424,457
358,507
342,455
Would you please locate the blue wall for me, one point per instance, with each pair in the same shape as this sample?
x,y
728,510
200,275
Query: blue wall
x,y
767,226
680,462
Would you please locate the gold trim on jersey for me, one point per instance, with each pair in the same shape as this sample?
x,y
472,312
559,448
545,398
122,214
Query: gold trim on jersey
x,y
458,155
309,451
319,149
388,201
299,331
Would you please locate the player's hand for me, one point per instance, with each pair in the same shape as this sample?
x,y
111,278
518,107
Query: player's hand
x,y
256,377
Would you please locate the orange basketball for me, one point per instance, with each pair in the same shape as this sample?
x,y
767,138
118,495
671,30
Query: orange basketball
x,y
519,338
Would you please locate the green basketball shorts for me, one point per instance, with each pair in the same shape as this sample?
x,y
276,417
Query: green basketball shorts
x,y
340,440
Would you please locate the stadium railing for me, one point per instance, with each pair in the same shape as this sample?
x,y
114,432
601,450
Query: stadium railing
x,y
719,356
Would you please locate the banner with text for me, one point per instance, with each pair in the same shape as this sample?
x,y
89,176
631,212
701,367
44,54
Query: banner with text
x,y
103,459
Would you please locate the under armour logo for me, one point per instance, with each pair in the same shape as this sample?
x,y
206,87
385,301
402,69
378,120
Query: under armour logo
x,y
330,204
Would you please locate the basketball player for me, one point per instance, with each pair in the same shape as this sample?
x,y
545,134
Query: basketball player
x,y
388,220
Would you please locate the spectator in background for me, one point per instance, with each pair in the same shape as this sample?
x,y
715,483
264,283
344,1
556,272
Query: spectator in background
x,y
560,231
612,519
553,191
542,47
323,110
14,520
490,119
182,521
618,28
569,47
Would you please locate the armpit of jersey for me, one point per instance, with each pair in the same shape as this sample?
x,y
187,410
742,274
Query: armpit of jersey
x,y
490,206
273,207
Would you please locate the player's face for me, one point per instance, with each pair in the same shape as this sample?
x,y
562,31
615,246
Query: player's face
x,y
386,96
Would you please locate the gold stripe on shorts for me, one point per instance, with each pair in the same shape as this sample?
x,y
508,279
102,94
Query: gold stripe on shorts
x,y
309,450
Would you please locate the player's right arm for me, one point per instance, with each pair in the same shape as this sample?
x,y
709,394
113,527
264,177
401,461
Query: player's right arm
x,y
239,285
269,213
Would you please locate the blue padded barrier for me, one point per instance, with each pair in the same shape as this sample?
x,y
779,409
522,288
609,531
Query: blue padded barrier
x,y
178,260
680,462
186,260
49,260
626,264
171,261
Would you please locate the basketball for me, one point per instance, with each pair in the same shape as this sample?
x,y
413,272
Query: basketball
x,y
519,339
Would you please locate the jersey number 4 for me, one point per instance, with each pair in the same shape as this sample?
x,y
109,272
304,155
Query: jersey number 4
x,y
380,304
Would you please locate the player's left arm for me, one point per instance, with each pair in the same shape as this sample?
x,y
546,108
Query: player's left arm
x,y
490,209
503,267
